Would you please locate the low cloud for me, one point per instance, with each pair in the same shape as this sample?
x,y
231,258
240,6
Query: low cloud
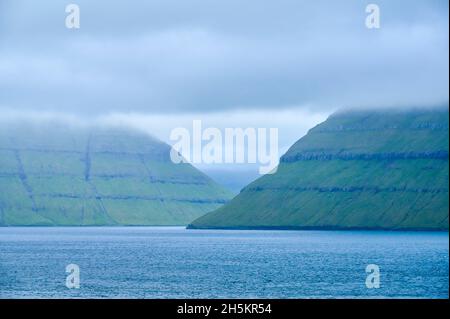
x,y
201,57
292,124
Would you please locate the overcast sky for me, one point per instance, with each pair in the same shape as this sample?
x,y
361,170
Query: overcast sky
x,y
271,63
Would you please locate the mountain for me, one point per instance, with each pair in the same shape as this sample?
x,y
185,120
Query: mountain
x,y
70,175
357,170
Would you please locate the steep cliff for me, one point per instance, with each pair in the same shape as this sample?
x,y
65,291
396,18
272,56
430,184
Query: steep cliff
x,y
357,170
61,175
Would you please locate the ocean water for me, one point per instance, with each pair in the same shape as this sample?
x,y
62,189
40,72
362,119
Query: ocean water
x,y
171,262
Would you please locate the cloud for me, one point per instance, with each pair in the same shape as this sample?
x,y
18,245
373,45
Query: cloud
x,y
292,124
198,56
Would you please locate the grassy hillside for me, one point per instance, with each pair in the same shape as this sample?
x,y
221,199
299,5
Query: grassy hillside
x,y
357,170
56,175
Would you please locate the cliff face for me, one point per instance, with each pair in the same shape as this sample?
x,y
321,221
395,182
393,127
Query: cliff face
x,y
55,175
357,170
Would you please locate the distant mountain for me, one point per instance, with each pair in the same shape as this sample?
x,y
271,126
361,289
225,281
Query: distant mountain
x,y
56,175
357,170
233,179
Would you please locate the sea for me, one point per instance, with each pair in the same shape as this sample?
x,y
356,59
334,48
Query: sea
x,y
173,262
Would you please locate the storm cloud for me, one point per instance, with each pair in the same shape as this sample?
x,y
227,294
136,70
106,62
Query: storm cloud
x,y
199,56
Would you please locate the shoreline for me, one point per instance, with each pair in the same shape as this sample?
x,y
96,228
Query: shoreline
x,y
231,228
315,228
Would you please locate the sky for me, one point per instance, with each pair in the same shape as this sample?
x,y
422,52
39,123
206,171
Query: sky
x,y
160,64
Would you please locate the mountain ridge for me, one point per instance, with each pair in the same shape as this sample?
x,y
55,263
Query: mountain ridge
x,y
357,170
54,175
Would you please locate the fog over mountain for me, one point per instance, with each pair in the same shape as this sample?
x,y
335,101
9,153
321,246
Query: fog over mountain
x,y
157,65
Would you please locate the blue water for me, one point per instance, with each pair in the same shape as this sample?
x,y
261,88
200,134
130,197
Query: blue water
x,y
155,262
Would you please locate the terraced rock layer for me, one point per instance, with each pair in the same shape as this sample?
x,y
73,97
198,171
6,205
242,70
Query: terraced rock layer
x,y
56,175
357,170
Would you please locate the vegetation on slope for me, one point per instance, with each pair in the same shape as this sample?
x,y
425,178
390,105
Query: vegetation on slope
x,y
55,175
357,170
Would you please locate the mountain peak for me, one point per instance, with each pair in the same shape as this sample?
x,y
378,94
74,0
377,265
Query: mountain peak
x,y
357,170
57,175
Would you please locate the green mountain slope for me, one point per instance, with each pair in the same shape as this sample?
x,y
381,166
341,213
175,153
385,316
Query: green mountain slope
x,y
55,175
357,170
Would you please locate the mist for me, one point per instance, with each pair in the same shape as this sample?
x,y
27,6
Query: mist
x,y
157,65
